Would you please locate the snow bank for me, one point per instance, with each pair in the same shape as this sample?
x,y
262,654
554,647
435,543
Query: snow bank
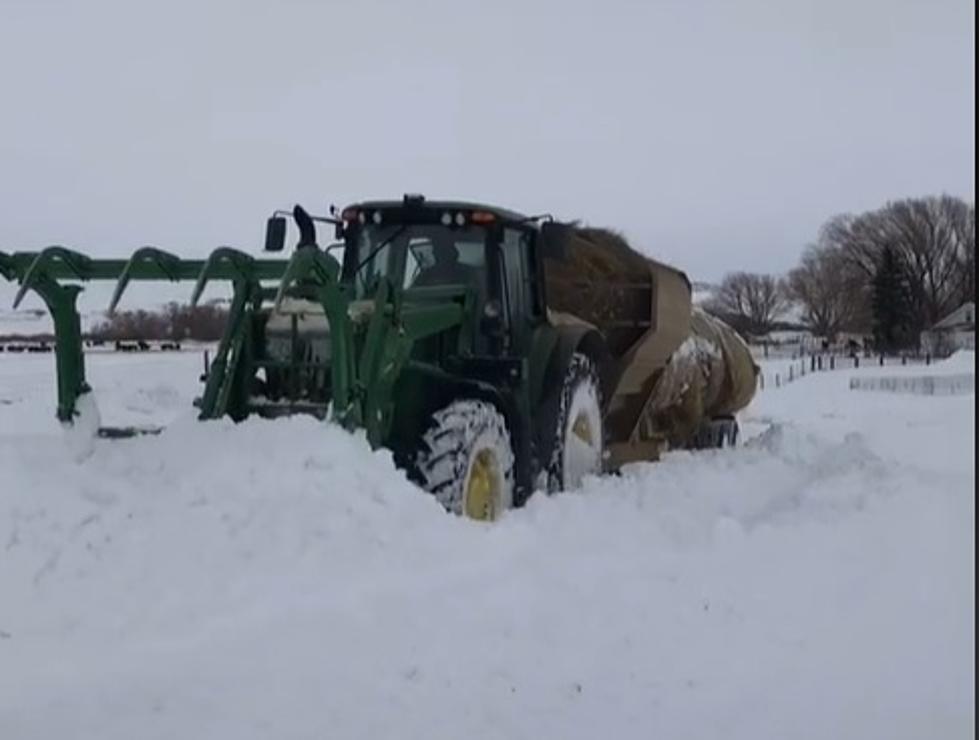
x,y
81,432
963,359
141,390
279,579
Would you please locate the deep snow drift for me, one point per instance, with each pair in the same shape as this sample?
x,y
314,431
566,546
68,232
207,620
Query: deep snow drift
x,y
280,580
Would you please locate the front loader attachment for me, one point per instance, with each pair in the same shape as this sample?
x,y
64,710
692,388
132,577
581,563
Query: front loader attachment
x,y
298,339
56,274
35,273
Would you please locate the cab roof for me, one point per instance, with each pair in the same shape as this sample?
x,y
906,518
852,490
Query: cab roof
x,y
503,214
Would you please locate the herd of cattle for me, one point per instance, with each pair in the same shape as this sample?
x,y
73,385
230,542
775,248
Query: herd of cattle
x,y
138,345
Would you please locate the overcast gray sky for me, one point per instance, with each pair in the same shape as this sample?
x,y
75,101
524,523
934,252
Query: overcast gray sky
x,y
717,135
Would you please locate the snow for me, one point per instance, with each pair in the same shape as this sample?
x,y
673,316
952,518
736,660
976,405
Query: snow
x,y
961,360
81,432
277,579
696,346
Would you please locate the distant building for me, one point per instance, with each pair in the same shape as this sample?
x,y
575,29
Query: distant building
x,y
956,331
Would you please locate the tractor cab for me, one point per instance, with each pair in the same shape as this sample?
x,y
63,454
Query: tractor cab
x,y
415,247
484,257
487,259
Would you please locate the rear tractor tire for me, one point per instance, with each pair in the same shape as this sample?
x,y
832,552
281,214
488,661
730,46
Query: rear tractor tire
x,y
466,460
579,443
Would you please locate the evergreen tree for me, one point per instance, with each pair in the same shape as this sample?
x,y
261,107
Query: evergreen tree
x,y
893,317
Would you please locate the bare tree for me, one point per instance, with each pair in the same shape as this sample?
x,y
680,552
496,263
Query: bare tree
x,y
965,228
934,241
831,296
751,303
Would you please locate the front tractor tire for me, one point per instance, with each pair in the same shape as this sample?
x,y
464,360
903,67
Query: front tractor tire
x,y
579,432
466,460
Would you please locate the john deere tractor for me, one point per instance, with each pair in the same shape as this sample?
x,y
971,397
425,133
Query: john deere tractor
x,y
495,354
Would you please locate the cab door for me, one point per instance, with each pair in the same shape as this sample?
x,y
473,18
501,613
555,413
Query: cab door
x,y
523,305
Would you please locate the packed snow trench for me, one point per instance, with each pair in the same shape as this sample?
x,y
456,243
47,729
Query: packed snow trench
x,y
277,579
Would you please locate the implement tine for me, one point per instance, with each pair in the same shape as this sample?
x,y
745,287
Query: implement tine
x,y
242,264
77,264
307,263
166,262
298,266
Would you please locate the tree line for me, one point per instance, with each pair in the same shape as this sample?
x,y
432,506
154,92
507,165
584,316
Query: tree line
x,y
175,322
889,273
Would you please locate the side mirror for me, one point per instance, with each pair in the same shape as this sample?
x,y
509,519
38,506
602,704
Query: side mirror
x,y
275,234
554,240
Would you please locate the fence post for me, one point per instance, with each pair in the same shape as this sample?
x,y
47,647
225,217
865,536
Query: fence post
x,y
812,363
791,369
856,361
832,362
928,358
904,359
819,362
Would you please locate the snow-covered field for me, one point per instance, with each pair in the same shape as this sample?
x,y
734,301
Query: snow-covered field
x,y
279,580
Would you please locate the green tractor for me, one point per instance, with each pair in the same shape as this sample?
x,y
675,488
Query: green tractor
x,y
494,354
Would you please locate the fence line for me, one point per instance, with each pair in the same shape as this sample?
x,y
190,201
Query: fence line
x,y
807,365
924,385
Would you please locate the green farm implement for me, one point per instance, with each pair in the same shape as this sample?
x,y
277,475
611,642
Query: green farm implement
x,y
493,353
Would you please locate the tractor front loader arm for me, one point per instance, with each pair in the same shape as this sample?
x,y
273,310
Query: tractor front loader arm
x,y
317,273
226,372
371,341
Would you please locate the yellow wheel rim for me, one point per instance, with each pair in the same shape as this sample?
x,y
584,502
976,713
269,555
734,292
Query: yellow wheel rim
x,y
582,430
483,487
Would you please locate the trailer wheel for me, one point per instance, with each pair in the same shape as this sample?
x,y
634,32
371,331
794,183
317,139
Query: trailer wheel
x,y
466,460
731,438
719,433
725,433
579,442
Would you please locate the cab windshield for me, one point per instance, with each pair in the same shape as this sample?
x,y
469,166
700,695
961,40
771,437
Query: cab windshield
x,y
418,255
